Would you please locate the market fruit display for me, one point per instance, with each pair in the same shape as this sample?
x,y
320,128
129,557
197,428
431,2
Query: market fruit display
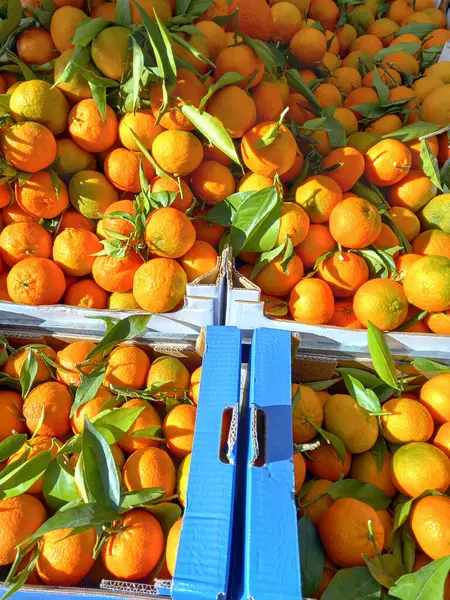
x,y
95,448
139,139
372,473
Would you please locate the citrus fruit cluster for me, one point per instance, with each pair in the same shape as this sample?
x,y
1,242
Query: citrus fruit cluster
x,y
377,467
106,434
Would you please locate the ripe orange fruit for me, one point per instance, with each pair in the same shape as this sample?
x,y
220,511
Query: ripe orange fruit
x,y
388,75
215,37
169,233
432,243
299,471
173,540
406,221
91,193
360,96
122,169
345,273
328,95
382,302
184,196
318,196
351,169
15,362
35,446
387,163
311,301
344,417
316,508
35,46
413,191
442,438
35,281
142,122
326,464
276,158
367,43
89,130
71,159
387,239
308,46
63,25
90,409
20,517
364,468
386,124
274,281
29,146
146,419
240,59
194,385
177,152
54,399
317,242
171,372
344,315
199,260
403,263
294,223
5,195
418,467
308,407
23,240
355,223
110,52
178,428
253,182
36,100
268,101
76,88
410,421
38,197
434,106
159,285
150,467
11,412
127,367
109,225
70,359
435,396
344,532
439,322
237,122
116,275
430,520
212,182
346,79
427,284
74,249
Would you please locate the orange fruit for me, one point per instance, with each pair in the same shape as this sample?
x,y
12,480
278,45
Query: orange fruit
x,y
147,418
410,421
268,101
35,46
63,25
127,367
360,96
367,43
199,260
36,100
427,284
38,197
74,249
317,505
54,399
387,162
388,75
269,160
328,95
110,52
317,242
346,35
439,322
436,37
171,372
91,193
434,106
15,362
432,243
122,169
355,223
325,12
90,409
307,411
403,263
36,281
308,46
150,467
346,79
70,359
351,169
406,221
294,223
398,11
11,412
385,125
255,18
173,540
177,152
35,446
20,517
206,231
344,417
253,182
299,471
89,130
344,315
214,37
29,146
347,119
5,195
384,29
318,196
109,225
76,88
326,464
194,386
403,61
435,396
418,466
343,530
442,438
364,468
178,428
382,302
71,159
274,281
212,182
413,191
345,273
287,20
23,240
159,285
116,275
387,239
311,301
429,520
240,59
134,552
237,122
86,294
184,197
169,233
142,122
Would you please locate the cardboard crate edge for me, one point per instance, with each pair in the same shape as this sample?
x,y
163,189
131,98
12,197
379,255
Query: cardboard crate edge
x,y
271,545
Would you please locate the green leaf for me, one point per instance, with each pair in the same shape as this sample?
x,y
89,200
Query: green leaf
x,y
58,487
214,131
263,52
336,442
320,386
372,111
141,497
409,548
10,382
311,556
365,377
336,132
100,471
114,424
429,164
166,513
296,81
193,8
88,29
198,55
122,13
412,132
379,451
11,445
265,258
28,373
381,88
359,490
154,432
138,69
20,479
19,580
429,367
381,357
408,47
56,182
269,138
12,20
80,58
159,172
99,96
88,388
426,584
403,509
356,583
364,397
255,225
385,568
126,329
85,515
419,29
229,78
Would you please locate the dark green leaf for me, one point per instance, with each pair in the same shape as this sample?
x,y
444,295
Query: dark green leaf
x,y
28,373
409,548
356,583
311,556
429,164
264,54
141,497
426,584
381,88
336,442
194,8
20,479
359,490
88,29
379,451
58,487
336,132
411,132
126,329
226,18
11,445
88,388
296,81
99,96
12,20
198,55
381,357
385,569
122,13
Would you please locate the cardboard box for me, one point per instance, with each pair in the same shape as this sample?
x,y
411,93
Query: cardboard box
x,y
204,556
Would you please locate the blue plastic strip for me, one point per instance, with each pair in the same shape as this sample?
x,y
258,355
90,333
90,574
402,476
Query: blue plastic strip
x,y
204,554
272,563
